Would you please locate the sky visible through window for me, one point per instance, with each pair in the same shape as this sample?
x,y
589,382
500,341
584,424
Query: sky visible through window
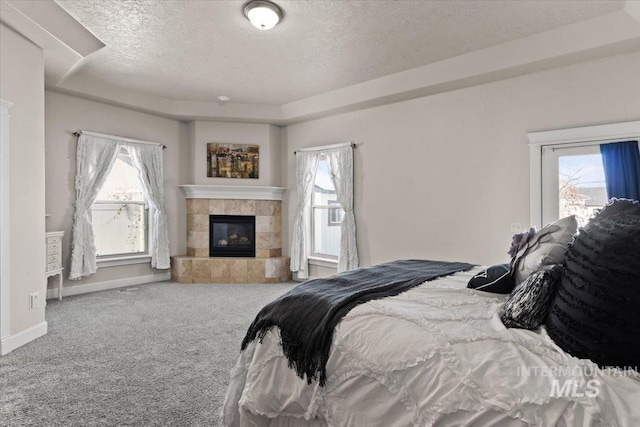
x,y
323,179
586,169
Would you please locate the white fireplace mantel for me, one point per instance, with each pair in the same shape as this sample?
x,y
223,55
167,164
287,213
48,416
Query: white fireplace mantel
x,y
231,192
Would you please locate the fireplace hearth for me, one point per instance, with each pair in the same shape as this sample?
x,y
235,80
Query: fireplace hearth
x,y
232,236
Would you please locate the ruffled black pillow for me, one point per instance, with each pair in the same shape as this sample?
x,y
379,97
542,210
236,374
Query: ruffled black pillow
x,y
596,312
529,303
496,279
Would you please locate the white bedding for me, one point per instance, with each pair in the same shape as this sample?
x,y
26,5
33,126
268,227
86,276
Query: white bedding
x,y
435,355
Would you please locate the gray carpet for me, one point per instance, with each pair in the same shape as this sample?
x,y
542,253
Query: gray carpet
x,y
156,356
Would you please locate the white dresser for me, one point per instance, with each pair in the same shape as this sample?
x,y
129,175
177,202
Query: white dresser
x,y
54,257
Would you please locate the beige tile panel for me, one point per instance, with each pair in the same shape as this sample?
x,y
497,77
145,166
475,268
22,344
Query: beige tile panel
x,y
262,241
247,207
263,207
275,208
199,222
186,268
262,253
220,267
262,224
191,206
275,240
275,223
216,207
200,206
255,268
231,207
201,253
202,240
239,269
275,252
201,268
230,270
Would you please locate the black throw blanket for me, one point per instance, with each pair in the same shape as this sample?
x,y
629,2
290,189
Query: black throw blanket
x,y
308,314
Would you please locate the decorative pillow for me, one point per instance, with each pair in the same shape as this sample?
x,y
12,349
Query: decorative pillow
x,y
547,247
596,312
529,303
496,279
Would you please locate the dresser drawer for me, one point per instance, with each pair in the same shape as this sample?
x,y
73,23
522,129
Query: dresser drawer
x,y
51,258
54,266
54,248
54,240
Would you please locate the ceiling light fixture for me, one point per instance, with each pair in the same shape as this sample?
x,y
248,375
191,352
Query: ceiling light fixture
x,y
263,14
223,99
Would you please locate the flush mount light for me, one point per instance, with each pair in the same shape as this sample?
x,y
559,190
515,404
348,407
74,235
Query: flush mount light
x,y
263,14
223,99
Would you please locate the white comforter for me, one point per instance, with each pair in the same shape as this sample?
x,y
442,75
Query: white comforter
x,y
435,355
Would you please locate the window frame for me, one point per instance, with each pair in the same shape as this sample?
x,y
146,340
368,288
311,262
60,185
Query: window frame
x,y
319,258
113,260
586,135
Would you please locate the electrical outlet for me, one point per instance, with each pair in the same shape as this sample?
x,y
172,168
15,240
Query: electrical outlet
x,y
34,300
516,227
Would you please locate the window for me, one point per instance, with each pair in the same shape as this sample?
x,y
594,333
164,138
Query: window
x,y
335,215
573,182
567,175
327,214
120,214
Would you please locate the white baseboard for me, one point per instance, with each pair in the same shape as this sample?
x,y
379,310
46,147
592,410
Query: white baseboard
x,y
12,342
109,284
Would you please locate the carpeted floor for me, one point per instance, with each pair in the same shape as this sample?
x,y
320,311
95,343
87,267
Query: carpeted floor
x,y
156,356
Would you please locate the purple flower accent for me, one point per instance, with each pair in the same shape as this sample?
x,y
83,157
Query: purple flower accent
x,y
520,240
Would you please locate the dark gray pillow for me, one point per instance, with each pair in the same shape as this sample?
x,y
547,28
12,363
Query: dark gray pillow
x,y
529,303
596,311
496,279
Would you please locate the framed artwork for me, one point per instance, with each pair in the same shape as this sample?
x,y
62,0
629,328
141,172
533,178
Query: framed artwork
x,y
233,160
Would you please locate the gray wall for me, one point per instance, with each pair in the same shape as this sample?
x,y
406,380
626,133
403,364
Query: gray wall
x,y
266,136
442,177
22,82
66,114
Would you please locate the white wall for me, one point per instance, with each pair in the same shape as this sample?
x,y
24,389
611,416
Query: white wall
x,y
22,82
66,114
442,177
266,136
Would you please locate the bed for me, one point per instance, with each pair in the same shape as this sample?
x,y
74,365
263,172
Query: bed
x,y
435,355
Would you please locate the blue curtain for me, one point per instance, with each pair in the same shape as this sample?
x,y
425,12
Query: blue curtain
x,y
621,162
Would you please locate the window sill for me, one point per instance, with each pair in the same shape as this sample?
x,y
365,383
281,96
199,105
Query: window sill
x,y
323,262
123,260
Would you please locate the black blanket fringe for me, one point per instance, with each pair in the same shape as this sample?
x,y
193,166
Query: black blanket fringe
x,y
308,314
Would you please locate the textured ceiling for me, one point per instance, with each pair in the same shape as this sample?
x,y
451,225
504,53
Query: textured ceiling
x,y
196,49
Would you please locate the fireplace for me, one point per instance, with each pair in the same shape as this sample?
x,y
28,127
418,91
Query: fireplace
x,y
232,236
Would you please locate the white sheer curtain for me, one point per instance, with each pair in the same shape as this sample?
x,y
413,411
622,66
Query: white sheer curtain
x,y
306,167
147,159
340,161
95,158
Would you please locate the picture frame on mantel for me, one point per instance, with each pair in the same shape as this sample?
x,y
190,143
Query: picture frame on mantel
x,y
233,160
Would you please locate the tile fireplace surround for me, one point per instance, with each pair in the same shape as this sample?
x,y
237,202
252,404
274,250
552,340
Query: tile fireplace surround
x,y
268,266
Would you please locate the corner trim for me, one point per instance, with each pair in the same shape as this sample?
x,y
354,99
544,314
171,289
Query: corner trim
x,y
108,284
601,133
12,342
